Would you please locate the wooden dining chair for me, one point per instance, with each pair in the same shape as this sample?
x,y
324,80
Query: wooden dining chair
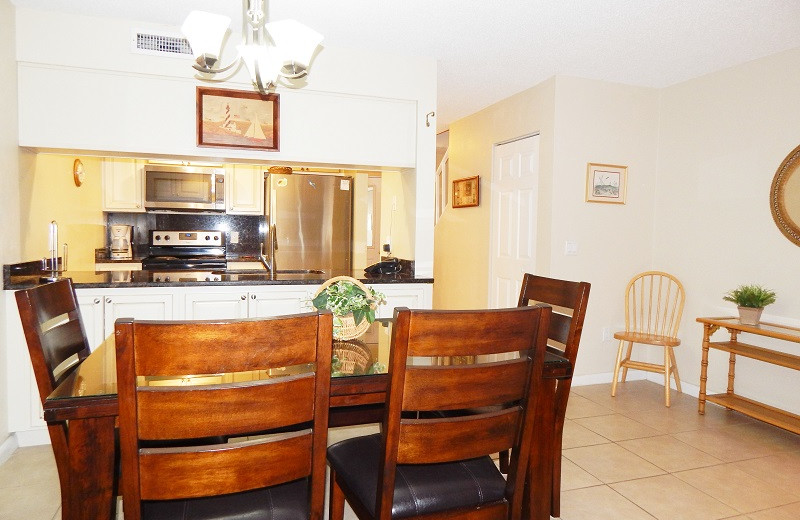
x,y
435,466
568,300
653,308
57,344
258,375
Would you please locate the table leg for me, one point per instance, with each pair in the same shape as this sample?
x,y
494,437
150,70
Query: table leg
x,y
701,402
731,372
91,461
539,480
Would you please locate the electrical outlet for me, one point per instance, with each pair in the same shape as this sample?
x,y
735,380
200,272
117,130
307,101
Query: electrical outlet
x,y
570,248
234,237
394,203
606,333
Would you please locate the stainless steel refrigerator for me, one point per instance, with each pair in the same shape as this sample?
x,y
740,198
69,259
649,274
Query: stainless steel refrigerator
x,y
310,219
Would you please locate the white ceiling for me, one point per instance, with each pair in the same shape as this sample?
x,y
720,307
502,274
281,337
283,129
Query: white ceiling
x,y
490,49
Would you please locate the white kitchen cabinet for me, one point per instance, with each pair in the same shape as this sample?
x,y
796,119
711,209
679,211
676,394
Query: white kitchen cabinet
x,y
247,302
411,295
91,307
227,304
122,185
280,300
244,190
145,304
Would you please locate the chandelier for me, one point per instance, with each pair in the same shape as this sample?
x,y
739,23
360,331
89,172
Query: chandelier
x,y
270,51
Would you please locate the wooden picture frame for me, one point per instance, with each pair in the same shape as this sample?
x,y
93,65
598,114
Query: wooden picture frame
x,y
607,183
238,119
466,192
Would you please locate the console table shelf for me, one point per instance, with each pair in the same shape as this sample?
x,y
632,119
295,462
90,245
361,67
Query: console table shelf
x,y
760,411
730,399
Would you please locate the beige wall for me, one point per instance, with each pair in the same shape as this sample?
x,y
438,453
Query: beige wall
x,y
723,137
49,193
579,121
701,156
9,180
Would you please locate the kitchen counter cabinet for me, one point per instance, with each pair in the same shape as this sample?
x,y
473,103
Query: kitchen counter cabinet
x,y
227,303
122,185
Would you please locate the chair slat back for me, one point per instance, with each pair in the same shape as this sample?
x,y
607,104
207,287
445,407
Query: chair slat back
x,y
568,299
505,388
54,332
224,405
654,304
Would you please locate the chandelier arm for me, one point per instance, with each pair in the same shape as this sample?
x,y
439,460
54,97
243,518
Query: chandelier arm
x,y
257,79
210,70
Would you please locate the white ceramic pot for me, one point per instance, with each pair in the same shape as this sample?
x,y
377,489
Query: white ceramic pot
x,y
750,315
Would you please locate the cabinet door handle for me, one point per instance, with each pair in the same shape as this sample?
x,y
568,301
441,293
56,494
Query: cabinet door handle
x,y
244,296
108,300
96,301
252,296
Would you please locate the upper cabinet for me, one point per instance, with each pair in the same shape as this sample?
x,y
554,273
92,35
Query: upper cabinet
x,y
244,190
122,185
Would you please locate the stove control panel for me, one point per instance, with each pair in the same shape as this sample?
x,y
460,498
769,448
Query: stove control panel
x,y
187,238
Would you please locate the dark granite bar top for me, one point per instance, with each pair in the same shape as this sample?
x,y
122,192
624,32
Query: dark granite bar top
x,y
23,276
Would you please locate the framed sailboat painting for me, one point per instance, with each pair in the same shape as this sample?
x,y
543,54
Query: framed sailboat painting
x,y
238,119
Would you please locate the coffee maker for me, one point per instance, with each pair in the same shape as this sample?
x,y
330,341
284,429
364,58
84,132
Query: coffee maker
x,y
121,242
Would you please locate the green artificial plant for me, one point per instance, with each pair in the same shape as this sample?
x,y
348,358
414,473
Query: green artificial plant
x,y
750,296
344,297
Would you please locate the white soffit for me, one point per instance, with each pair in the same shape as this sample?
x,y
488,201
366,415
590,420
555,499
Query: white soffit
x,y
487,51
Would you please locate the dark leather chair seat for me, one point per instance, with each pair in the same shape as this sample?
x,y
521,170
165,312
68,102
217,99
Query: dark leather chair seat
x,y
419,490
275,503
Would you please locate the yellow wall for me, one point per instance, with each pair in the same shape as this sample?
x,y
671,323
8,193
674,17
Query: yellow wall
x,y
461,240
49,193
579,121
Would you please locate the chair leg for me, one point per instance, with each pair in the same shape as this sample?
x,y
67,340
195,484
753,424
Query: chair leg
x,y
667,372
627,358
675,369
336,505
616,369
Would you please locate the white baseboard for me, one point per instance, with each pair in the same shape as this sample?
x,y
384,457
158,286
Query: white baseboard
x,y
633,375
599,379
32,437
7,448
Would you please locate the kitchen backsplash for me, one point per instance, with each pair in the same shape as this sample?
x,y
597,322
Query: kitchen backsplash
x,y
248,227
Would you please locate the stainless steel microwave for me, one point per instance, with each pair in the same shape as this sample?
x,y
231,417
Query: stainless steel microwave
x,y
184,188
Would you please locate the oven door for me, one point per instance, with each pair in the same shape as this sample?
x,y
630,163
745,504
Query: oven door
x,y
184,188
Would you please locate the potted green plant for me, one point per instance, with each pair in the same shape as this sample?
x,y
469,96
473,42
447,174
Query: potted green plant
x,y
352,303
750,300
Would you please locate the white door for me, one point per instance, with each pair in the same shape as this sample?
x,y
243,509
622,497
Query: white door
x,y
91,307
515,187
137,306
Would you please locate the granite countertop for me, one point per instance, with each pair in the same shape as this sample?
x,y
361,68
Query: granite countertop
x,y
16,277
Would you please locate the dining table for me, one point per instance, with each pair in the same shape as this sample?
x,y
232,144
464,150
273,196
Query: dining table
x,y
87,399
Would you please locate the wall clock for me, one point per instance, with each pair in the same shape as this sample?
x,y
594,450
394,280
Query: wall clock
x,y
77,172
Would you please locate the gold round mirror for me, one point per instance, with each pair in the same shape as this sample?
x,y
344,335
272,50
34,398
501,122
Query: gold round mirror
x,y
784,197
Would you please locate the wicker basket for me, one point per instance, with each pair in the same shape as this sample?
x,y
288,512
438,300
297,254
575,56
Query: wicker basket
x,y
344,327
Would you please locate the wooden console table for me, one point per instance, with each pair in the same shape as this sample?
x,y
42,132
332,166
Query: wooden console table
x,y
731,400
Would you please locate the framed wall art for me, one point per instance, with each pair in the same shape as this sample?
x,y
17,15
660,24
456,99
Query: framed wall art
x,y
238,119
466,192
606,183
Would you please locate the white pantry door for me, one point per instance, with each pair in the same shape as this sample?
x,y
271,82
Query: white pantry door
x,y
515,188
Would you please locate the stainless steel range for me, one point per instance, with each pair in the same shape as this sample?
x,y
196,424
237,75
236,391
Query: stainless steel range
x,y
185,250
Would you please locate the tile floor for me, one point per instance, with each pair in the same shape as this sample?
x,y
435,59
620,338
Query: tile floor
x,y
625,458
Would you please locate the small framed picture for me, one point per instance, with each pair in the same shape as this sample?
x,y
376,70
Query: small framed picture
x,y
606,183
466,192
238,119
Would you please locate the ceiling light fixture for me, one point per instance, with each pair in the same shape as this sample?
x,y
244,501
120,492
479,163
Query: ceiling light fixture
x,y
270,51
